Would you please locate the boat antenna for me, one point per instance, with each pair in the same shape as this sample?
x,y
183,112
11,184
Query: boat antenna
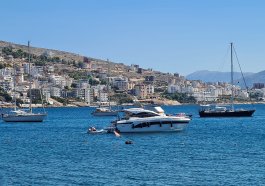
x,y
30,80
232,78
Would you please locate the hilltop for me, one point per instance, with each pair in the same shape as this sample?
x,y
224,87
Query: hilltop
x,y
120,68
40,51
67,62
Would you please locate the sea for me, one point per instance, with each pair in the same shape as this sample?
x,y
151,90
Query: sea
x,y
59,151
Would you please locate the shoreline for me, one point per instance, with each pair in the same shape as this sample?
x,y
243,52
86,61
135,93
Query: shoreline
x,y
2,106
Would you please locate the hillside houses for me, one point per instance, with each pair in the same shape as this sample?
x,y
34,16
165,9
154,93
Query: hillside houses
x,y
91,81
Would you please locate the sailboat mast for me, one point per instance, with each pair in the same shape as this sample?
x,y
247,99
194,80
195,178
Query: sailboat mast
x,y
108,83
30,80
232,78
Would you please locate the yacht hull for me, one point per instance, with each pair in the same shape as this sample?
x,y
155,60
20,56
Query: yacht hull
x,y
152,126
239,113
24,118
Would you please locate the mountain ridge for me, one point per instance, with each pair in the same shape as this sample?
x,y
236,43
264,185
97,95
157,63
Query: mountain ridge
x,y
254,78
215,76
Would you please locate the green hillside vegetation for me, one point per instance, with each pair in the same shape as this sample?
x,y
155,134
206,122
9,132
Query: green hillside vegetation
x,y
4,96
40,60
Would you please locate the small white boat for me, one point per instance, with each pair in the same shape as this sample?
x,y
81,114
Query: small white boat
x,y
143,120
93,130
101,111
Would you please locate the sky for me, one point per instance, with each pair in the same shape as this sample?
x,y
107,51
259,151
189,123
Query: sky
x,y
180,36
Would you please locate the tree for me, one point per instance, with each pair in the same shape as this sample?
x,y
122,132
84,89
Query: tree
x,y
7,51
93,82
2,66
103,82
19,102
74,85
80,64
18,54
5,95
55,59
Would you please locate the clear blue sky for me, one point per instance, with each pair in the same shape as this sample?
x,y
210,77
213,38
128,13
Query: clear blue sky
x,y
167,35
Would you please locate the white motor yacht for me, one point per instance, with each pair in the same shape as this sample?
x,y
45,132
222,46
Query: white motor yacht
x,y
143,120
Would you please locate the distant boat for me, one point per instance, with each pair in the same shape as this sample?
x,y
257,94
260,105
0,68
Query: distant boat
x,y
105,111
224,111
24,115
101,111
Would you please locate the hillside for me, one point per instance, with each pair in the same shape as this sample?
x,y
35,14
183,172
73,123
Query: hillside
x,y
40,51
63,58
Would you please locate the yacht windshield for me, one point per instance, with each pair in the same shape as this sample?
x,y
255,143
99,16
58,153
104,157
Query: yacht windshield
x,y
143,114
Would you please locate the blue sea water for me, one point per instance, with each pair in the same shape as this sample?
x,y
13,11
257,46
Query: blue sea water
x,y
210,151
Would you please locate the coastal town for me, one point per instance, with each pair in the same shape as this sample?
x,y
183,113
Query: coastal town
x,y
136,92
66,79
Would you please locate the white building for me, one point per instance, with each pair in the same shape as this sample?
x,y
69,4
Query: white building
x,y
140,91
7,85
46,92
50,69
26,68
243,94
55,91
121,84
58,81
171,89
150,89
6,71
103,97
2,59
83,94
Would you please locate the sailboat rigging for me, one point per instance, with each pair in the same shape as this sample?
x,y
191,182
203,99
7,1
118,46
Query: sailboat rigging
x,y
20,115
218,111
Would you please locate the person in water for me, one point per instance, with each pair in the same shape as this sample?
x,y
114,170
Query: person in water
x,y
92,129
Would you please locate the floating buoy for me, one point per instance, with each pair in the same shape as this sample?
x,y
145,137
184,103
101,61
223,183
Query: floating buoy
x,y
128,142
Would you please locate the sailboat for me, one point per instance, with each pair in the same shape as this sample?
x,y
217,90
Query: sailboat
x,y
224,111
105,111
24,115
